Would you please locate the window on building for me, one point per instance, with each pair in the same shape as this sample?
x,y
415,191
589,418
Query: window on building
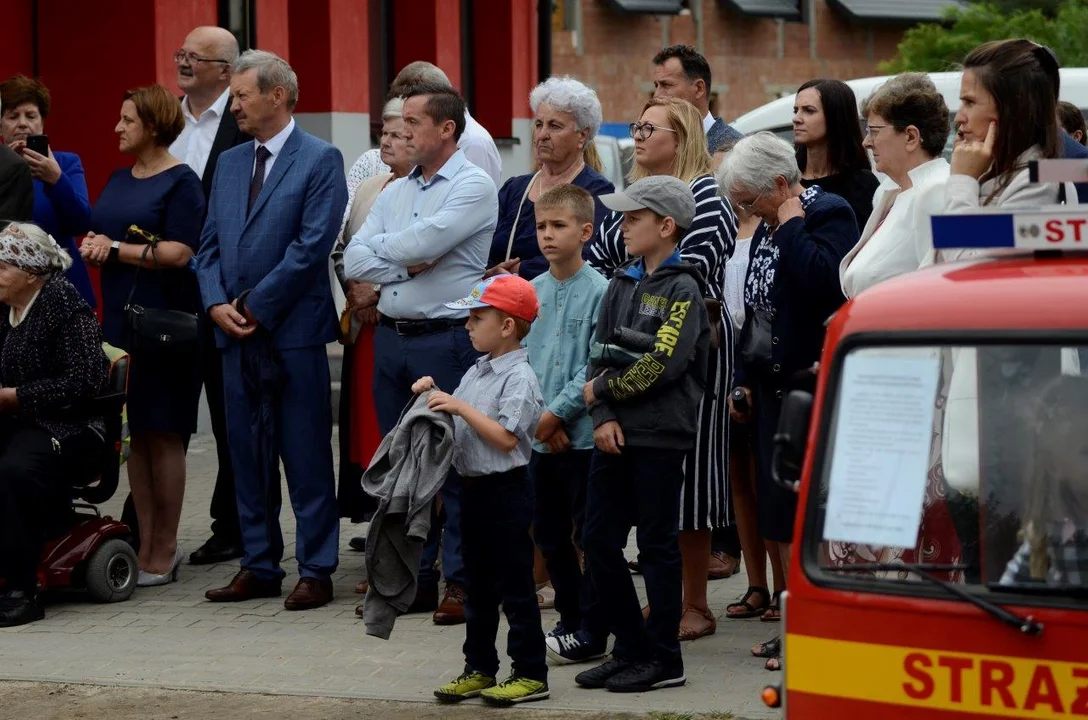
x,y
239,16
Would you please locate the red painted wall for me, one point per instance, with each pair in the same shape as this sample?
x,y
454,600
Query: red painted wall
x,y
506,62
17,48
428,30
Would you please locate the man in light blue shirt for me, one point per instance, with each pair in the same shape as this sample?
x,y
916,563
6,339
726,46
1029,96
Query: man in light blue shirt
x,y
425,244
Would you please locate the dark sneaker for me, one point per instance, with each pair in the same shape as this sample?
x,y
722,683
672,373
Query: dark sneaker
x,y
19,608
575,647
557,630
646,676
598,676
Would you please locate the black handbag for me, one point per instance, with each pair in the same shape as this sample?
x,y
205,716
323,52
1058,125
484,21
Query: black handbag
x,y
755,337
157,329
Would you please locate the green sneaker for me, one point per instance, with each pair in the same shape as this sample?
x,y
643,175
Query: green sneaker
x,y
468,685
515,690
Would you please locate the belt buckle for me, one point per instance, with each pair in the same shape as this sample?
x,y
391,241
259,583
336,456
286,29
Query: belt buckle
x,y
397,326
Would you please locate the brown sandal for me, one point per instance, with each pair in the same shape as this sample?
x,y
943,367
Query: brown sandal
x,y
362,587
686,635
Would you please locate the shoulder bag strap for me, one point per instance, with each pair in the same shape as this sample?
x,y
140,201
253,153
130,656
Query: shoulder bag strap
x,y
143,258
517,217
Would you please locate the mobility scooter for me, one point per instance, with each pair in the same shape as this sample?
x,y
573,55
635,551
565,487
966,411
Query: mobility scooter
x,y
92,551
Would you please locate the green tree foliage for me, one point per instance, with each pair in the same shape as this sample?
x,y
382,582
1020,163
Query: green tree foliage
x,y
936,47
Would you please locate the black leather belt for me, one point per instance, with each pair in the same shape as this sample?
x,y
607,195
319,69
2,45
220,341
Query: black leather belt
x,y
411,328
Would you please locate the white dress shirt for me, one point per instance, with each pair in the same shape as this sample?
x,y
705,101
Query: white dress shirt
x,y
887,247
480,149
275,146
708,122
194,146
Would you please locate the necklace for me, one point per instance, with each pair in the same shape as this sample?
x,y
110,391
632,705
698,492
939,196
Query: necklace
x,y
544,183
149,170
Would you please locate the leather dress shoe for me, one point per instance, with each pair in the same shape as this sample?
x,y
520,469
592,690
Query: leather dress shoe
x,y
451,611
310,593
216,550
246,585
19,608
358,543
426,599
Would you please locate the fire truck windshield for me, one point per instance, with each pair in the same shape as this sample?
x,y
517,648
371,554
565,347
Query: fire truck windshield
x,y
967,463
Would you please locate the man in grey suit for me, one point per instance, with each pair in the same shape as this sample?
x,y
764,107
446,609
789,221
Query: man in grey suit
x,y
274,214
681,71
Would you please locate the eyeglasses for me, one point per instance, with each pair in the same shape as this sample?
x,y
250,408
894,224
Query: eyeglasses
x,y
872,130
192,58
646,130
749,207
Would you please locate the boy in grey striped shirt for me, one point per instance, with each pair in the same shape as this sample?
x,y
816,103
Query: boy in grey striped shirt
x,y
495,412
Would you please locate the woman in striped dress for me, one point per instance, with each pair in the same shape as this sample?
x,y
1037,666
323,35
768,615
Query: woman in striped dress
x,y
669,140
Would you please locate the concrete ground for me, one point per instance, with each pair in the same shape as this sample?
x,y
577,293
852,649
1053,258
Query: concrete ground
x,y
169,638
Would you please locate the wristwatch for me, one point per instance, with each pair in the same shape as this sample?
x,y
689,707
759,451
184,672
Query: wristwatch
x,y
115,251
378,288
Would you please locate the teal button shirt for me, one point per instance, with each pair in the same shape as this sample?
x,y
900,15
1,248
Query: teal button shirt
x,y
558,347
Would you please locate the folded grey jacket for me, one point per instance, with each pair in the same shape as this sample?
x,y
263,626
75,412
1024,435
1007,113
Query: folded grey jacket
x,y
405,475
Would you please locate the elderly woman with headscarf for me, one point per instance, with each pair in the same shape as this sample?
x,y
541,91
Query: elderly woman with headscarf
x,y
51,363
566,117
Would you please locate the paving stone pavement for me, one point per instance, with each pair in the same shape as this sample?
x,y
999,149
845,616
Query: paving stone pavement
x,y
170,637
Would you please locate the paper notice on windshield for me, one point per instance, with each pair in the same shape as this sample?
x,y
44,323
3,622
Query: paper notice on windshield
x,y
882,449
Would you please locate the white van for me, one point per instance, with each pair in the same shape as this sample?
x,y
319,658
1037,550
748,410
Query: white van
x,y
777,115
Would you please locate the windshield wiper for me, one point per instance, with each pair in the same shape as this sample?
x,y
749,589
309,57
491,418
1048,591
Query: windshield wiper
x,y
1028,625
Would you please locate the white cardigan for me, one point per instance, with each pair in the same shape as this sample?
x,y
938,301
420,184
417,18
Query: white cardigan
x,y
887,245
962,193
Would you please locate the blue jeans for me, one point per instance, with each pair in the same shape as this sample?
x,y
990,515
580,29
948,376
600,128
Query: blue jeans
x,y
559,482
398,362
640,487
497,512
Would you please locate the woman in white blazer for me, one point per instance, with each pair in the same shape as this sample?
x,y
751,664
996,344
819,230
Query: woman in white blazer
x,y
907,126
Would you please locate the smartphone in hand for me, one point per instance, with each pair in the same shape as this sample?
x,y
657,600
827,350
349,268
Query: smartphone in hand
x,y
39,144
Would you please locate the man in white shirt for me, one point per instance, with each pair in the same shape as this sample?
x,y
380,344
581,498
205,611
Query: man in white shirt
x,y
475,141
681,71
204,72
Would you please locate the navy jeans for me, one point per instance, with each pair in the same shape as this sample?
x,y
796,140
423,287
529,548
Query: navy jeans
x,y
398,362
640,487
559,481
496,512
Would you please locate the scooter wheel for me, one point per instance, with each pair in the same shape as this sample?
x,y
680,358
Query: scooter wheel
x,y
112,572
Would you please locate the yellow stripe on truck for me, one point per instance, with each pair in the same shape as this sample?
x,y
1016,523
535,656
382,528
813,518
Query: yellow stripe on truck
x,y
997,685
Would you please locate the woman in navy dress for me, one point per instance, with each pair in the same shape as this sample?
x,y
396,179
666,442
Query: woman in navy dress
x,y
61,204
163,197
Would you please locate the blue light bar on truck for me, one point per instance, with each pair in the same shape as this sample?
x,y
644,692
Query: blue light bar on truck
x,y
1061,227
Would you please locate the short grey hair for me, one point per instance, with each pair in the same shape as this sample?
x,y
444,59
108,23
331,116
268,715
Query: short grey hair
x,y
393,109
573,96
755,162
272,71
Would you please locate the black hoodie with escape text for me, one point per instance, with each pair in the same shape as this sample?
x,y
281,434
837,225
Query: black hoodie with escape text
x,y
656,399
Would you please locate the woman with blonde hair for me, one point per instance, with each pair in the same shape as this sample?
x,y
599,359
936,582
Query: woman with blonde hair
x,y
669,140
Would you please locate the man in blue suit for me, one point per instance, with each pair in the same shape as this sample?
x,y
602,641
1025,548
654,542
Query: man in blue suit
x,y
273,215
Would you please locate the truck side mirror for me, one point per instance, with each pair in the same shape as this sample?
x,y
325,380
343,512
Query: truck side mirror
x,y
789,439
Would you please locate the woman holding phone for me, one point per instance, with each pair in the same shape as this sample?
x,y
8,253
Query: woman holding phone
x,y
61,205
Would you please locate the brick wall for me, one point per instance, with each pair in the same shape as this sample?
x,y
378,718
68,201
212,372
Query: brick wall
x,y
753,60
